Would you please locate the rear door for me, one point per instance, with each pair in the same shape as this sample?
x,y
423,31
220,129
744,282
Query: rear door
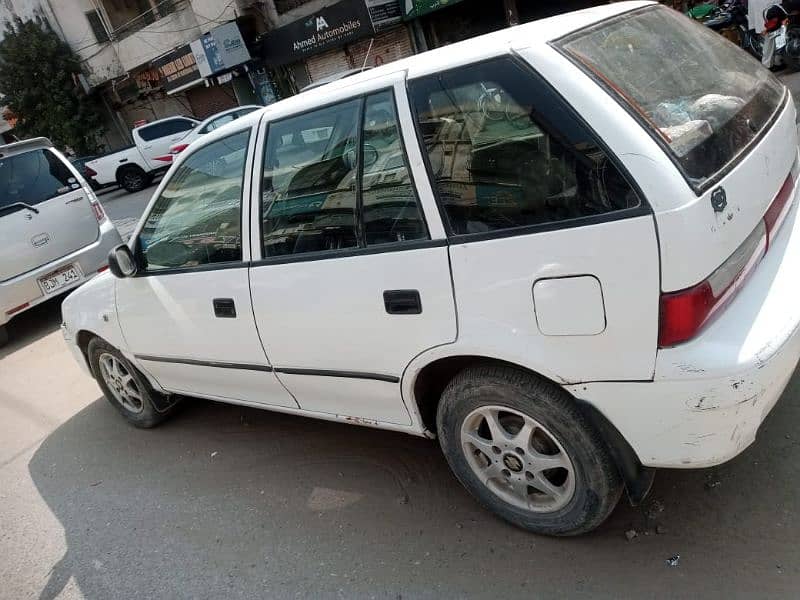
x,y
553,250
45,214
155,140
352,285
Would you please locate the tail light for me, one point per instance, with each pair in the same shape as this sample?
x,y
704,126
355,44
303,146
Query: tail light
x,y
178,148
89,172
682,315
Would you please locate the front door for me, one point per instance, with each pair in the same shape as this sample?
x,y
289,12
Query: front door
x,y
187,315
350,287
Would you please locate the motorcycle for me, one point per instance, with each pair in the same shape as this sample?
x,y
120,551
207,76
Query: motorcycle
x,y
782,35
729,19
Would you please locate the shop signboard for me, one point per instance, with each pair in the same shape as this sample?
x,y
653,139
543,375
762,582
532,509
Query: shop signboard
x,y
416,8
330,27
384,13
220,49
177,69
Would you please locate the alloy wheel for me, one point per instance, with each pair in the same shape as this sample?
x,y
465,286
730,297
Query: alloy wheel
x,y
121,383
518,459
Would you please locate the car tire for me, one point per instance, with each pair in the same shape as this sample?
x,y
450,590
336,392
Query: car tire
x,y
538,464
132,179
126,388
3,335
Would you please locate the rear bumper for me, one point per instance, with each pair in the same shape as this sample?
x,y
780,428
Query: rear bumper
x,y
708,397
25,290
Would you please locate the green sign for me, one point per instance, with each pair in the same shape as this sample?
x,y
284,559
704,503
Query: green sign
x,y
416,8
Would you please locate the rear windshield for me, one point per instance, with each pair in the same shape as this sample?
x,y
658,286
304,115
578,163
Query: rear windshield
x,y
699,95
33,177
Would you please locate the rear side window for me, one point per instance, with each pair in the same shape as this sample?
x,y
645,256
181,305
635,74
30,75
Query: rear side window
x,y
33,177
337,178
505,152
159,130
197,218
701,97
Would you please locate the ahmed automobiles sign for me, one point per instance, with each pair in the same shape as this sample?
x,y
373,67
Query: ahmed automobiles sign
x,y
331,27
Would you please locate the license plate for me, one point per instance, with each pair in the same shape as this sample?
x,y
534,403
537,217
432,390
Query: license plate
x,y
52,282
780,40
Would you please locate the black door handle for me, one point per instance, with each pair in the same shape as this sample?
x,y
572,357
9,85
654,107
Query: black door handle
x,y
402,302
224,308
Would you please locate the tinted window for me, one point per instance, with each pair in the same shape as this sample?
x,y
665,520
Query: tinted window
x,y
223,120
705,111
197,218
391,212
505,152
167,128
33,177
309,186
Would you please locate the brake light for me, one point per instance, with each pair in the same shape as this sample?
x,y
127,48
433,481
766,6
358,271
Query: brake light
x,y
682,315
178,148
103,268
89,172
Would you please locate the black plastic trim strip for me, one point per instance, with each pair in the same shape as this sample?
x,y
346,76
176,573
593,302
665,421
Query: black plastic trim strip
x,y
343,374
348,252
204,363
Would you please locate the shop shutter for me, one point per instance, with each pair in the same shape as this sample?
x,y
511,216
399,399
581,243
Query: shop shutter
x,y
388,46
327,63
206,101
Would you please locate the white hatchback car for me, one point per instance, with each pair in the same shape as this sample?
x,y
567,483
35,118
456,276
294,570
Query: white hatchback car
x,y
569,250
55,234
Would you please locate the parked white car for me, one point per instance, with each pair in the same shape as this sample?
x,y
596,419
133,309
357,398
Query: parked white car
x,y
569,250
134,168
213,122
55,235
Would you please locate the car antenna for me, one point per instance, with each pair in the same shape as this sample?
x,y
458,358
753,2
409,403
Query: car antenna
x,y
366,58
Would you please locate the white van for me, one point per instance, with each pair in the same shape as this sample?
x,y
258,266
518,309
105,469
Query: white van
x,y
569,250
55,235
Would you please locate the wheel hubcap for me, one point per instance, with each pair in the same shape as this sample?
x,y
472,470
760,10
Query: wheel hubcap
x,y
121,383
518,459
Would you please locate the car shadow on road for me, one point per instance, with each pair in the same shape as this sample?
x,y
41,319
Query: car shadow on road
x,y
227,502
32,325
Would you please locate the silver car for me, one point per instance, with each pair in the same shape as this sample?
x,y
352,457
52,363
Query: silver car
x,y
55,234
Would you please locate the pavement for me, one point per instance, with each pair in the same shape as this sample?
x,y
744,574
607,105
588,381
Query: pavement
x,y
124,209
231,502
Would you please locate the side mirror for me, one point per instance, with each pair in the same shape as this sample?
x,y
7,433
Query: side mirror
x,y
121,262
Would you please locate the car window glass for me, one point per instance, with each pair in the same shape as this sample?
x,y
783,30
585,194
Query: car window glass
x,y
391,212
309,183
164,129
33,177
505,152
219,122
197,218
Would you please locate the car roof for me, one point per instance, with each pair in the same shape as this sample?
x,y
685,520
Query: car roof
x,y
531,34
170,118
36,143
222,113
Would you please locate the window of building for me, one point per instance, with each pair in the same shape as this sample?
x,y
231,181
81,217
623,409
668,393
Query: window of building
x,y
96,23
197,218
505,151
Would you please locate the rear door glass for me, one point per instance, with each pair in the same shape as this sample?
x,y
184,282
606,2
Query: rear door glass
x,y
33,177
701,97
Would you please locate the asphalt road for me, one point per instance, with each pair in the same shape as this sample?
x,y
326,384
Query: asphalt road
x,y
124,209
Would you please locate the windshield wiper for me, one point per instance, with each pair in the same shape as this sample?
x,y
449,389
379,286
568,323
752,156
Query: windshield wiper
x,y
20,204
